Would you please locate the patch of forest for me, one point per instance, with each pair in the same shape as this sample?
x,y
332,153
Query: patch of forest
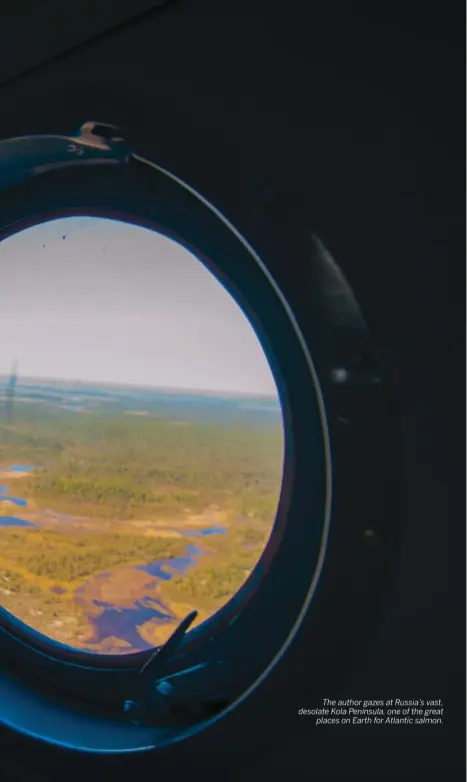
x,y
126,467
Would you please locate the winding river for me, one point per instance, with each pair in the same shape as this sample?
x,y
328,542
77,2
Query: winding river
x,y
109,620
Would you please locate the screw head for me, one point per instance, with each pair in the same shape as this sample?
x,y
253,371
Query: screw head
x,y
164,688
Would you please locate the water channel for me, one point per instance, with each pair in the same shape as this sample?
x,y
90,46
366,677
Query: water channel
x,y
115,621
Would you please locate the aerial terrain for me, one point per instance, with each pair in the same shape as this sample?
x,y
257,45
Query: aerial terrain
x,y
123,508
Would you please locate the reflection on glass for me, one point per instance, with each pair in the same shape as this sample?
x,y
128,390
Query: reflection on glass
x,y
141,440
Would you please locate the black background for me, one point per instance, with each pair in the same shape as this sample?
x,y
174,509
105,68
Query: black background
x,y
347,120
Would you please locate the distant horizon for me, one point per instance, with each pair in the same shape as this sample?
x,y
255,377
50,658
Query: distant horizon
x,y
120,384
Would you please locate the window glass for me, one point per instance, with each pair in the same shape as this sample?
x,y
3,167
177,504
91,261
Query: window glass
x,y
141,437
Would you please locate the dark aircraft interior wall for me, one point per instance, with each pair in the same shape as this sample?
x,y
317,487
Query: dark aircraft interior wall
x,y
349,122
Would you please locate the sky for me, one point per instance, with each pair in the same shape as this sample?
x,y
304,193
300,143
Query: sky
x,y
114,302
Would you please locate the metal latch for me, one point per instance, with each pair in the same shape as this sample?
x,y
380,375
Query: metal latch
x,y
156,695
95,143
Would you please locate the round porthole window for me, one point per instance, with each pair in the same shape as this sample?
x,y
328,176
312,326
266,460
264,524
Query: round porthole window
x,y
165,464
141,436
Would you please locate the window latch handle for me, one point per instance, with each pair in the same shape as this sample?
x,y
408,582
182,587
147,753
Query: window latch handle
x,y
153,669
157,694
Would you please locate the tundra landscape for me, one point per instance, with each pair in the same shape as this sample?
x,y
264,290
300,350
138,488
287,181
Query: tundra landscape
x,y
121,509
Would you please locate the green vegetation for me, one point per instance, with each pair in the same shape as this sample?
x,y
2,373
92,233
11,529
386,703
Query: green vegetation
x,y
14,582
221,573
66,558
131,485
128,467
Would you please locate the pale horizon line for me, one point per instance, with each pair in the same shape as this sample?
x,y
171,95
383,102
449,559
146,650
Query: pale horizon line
x,y
176,389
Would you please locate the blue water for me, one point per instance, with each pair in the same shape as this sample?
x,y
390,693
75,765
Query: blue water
x,y
122,622
178,564
16,500
197,533
194,550
192,407
213,531
155,569
12,521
